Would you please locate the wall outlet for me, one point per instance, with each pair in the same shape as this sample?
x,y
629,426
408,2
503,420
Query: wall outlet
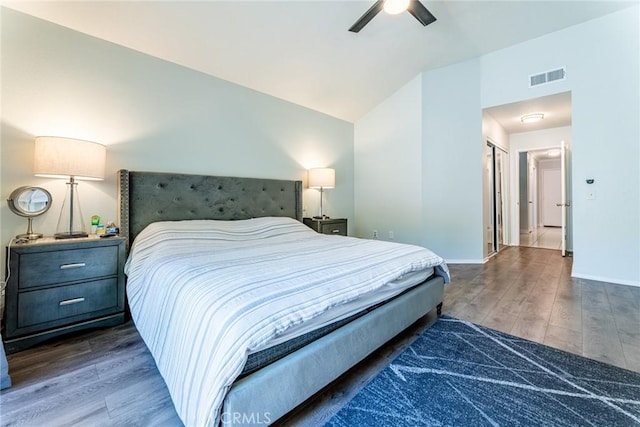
x,y
375,234
391,235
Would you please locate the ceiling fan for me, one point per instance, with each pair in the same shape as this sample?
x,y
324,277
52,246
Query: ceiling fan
x,y
393,7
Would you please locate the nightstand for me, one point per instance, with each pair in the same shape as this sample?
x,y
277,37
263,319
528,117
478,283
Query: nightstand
x,y
337,226
62,286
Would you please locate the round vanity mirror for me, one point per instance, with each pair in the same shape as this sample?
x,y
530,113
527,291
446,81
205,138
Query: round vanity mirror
x,y
29,202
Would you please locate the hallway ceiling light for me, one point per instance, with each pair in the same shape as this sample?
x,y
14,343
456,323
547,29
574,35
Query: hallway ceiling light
x,y
530,118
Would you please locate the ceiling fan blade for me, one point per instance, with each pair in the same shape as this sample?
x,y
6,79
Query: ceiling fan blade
x,y
421,13
368,16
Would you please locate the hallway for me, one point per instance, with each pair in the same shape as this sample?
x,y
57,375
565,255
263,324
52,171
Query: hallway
x,y
543,237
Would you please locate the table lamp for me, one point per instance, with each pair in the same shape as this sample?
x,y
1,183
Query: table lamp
x,y
322,178
57,157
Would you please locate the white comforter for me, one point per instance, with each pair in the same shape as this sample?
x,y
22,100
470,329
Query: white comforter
x,y
204,293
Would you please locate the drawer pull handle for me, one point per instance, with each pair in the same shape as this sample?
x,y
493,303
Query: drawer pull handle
x,y
74,265
71,301
337,230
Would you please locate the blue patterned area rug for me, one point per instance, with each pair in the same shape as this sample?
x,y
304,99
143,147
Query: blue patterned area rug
x,y
460,374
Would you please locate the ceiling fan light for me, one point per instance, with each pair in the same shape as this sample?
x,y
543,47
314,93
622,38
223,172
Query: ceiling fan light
x,y
530,118
393,7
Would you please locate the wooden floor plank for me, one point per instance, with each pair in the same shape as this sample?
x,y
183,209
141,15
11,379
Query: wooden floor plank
x,y
564,338
503,322
133,405
626,313
512,302
631,355
567,314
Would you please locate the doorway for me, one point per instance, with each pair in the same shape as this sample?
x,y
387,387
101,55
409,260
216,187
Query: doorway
x,y
541,198
505,126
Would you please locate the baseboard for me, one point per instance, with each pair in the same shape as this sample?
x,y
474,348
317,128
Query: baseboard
x,y
606,279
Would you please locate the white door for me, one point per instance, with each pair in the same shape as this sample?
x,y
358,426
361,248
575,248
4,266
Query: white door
x,y
551,198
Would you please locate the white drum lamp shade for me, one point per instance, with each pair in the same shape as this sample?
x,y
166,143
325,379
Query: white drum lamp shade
x,y
322,178
56,157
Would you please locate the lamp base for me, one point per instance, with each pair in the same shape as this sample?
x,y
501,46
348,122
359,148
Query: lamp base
x,y
71,235
29,236
71,221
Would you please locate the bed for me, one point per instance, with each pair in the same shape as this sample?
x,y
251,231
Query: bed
x,y
184,231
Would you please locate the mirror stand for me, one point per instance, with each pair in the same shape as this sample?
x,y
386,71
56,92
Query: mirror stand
x,y
29,202
29,235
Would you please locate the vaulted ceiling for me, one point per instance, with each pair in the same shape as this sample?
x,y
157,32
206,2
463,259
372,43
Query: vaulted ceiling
x,y
301,51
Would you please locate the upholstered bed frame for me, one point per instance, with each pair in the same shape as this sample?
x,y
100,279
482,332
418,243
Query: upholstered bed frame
x,y
274,390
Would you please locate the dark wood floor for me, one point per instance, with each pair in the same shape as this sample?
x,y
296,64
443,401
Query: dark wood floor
x,y
529,293
108,378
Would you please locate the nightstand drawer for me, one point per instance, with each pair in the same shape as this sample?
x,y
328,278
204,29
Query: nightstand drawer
x,y
332,226
66,301
338,228
44,268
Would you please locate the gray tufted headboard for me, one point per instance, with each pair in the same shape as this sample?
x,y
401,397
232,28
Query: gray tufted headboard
x,y
146,197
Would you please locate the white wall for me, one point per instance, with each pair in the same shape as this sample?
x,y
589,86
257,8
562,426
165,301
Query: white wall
x,y
152,115
416,148
602,61
492,131
423,149
452,160
387,146
602,57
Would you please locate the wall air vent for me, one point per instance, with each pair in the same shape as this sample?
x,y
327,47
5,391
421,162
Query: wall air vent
x,y
547,77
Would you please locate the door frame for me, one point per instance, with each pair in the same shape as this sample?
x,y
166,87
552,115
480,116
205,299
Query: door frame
x,y
499,218
514,211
